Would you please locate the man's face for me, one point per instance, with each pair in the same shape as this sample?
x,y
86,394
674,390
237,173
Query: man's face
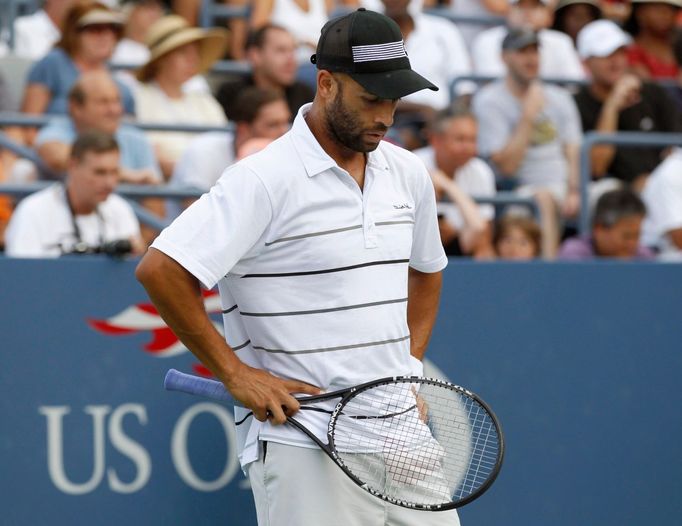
x,y
93,178
456,144
357,119
523,64
276,60
620,240
606,71
101,110
272,121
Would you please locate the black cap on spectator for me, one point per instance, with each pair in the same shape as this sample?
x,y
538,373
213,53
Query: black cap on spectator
x,y
520,38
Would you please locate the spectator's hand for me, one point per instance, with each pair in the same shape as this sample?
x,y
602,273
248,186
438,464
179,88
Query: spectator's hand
x,y
143,176
625,93
533,101
571,205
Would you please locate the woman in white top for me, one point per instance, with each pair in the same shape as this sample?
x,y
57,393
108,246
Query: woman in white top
x,y
177,53
302,18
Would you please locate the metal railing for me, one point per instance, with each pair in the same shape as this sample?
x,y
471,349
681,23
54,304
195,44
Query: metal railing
x,y
627,139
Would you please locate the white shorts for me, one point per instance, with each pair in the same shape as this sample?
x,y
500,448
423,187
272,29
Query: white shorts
x,y
297,486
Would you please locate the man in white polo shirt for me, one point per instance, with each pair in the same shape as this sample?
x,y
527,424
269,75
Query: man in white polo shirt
x,y
326,252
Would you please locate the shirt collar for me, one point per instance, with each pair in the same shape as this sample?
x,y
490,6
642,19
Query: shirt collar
x,y
315,159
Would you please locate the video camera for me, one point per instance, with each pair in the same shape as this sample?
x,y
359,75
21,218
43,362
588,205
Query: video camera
x,y
116,248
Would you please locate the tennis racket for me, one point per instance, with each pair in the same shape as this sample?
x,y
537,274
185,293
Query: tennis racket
x,y
420,443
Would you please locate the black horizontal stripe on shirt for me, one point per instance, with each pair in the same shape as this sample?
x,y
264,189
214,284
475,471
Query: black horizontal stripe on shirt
x,y
322,311
328,271
314,234
227,311
334,231
331,349
240,346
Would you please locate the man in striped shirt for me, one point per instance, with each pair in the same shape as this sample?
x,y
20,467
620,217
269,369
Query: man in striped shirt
x,y
326,252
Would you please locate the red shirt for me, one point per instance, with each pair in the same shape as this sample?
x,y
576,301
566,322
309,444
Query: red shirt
x,y
637,56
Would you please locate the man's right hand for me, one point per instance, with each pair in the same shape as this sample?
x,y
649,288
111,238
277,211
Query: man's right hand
x,y
625,93
268,396
533,101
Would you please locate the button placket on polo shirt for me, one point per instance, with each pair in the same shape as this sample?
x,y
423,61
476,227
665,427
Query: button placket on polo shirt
x,y
368,224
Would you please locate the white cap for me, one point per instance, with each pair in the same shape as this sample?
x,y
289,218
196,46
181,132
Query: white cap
x,y
601,38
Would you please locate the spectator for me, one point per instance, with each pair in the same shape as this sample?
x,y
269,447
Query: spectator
x,y
558,58
662,193
517,238
476,8
458,175
653,25
570,16
91,31
95,104
270,51
302,18
177,53
616,228
80,216
35,34
531,133
616,100
675,90
262,114
140,15
437,51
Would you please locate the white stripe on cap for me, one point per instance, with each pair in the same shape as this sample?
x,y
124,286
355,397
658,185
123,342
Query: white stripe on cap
x,y
374,52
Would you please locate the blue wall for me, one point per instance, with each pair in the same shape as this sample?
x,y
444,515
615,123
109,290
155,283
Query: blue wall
x,y
582,363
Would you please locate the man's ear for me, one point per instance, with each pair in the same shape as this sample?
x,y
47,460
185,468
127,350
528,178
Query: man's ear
x,y
326,84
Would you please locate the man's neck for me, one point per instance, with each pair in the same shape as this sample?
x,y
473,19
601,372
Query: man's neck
x,y
350,160
445,165
262,81
599,91
78,206
516,87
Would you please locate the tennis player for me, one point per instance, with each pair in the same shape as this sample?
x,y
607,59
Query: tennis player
x,y
326,252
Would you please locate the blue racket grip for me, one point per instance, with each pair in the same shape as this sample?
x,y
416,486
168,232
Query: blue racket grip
x,y
188,383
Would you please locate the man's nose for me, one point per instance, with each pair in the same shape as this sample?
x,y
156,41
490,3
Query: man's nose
x,y
386,112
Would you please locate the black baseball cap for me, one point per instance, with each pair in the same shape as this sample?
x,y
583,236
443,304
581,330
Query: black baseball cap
x,y
369,47
519,38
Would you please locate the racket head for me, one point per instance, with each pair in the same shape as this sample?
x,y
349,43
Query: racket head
x,y
420,443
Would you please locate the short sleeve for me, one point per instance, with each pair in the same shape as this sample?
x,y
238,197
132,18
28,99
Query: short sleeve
x,y
220,229
58,129
46,72
427,250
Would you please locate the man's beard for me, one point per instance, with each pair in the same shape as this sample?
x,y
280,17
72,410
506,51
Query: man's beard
x,y
344,126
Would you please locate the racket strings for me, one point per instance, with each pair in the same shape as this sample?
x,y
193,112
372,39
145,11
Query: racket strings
x,y
425,444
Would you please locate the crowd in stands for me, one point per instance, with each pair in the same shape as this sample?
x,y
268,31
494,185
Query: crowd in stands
x,y
519,86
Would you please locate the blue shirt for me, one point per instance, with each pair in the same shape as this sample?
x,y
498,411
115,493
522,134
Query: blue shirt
x,y
58,72
136,150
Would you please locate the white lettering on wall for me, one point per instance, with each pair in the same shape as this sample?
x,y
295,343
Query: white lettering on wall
x,y
180,455
128,447
55,447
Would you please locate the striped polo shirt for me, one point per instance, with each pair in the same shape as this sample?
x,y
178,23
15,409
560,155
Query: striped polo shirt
x,y
312,269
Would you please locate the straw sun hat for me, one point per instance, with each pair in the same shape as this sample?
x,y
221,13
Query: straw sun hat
x,y
172,32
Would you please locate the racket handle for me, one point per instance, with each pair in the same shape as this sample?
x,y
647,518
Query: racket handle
x,y
196,385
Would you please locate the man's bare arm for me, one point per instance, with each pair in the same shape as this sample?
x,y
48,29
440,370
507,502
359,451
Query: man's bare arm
x,y
177,296
423,292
